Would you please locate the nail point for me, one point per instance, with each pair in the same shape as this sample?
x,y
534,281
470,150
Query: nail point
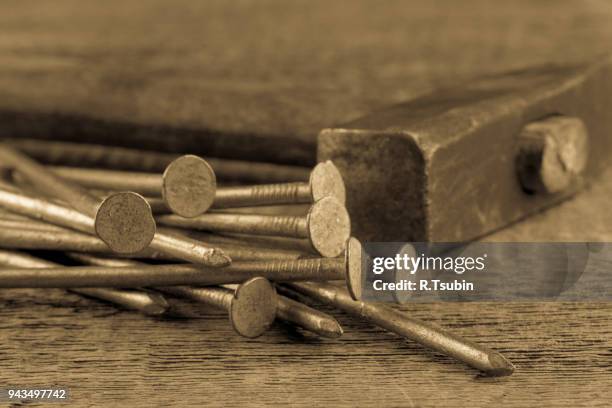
x,y
219,258
158,305
331,328
500,366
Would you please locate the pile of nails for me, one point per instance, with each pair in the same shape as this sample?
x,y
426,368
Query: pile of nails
x,y
256,246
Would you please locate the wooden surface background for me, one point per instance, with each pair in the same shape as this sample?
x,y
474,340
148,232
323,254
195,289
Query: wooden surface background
x,y
260,79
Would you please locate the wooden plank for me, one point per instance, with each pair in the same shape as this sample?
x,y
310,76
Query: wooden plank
x,y
562,353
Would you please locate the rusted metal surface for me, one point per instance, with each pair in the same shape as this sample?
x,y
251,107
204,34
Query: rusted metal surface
x,y
34,235
304,316
251,306
308,318
325,181
189,249
122,158
178,246
14,200
134,274
146,302
553,153
443,167
479,357
187,185
327,225
137,275
123,220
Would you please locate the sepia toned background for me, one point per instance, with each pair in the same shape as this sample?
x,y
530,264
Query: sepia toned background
x,y
269,74
258,80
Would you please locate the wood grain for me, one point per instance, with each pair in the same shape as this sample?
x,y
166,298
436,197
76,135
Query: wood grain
x,y
260,78
562,352
235,79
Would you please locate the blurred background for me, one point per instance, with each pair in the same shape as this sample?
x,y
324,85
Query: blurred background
x,y
260,78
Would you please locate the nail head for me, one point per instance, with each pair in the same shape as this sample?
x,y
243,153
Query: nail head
x,y
125,223
253,308
353,259
329,227
326,181
188,186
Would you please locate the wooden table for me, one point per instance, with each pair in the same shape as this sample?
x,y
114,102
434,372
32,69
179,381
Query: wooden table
x,y
273,74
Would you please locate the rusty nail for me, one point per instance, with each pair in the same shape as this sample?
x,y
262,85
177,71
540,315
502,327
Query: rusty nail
x,y
251,305
304,316
325,181
236,250
286,309
280,209
260,241
308,318
187,185
123,220
13,200
133,276
188,249
152,304
26,224
17,234
315,269
327,225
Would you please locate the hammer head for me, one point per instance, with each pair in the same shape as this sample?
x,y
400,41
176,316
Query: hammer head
x,y
442,168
